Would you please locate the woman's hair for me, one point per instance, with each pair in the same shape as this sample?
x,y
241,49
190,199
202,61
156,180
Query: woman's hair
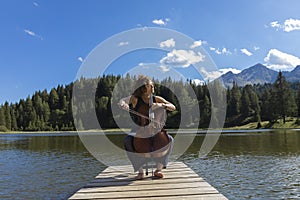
x,y
140,85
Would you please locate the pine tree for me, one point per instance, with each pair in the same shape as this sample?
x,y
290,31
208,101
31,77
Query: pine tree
x,y
14,125
234,102
245,103
298,104
2,117
7,116
53,99
29,113
283,98
205,111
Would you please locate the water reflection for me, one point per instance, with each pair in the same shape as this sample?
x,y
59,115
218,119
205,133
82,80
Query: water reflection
x,y
251,166
266,143
42,142
44,167
255,165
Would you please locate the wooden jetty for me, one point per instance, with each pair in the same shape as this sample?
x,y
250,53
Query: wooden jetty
x,y
179,182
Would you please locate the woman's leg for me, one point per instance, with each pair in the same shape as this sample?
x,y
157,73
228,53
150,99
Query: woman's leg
x,y
136,161
163,161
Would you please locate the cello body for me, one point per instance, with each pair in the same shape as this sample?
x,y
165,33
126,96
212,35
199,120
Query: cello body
x,y
151,140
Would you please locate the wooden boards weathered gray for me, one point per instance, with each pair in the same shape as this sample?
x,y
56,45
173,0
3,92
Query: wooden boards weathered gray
x,y
179,182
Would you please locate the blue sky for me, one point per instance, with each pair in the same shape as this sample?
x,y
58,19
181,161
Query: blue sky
x,y
43,43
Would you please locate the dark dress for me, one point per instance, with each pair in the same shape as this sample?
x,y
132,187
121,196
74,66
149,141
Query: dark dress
x,y
136,160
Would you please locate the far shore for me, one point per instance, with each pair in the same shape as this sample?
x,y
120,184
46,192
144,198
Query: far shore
x,y
171,131
291,124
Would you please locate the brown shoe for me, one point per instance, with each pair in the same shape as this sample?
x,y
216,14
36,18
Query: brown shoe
x,y
158,174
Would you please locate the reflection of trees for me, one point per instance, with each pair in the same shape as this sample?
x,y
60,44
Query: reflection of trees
x,y
267,143
44,143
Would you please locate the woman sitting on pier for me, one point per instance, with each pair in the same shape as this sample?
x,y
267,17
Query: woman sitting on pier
x,y
150,141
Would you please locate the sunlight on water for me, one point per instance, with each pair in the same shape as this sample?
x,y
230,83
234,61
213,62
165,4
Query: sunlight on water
x,y
251,165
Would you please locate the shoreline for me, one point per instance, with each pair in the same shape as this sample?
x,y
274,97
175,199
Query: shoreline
x,y
171,131
291,124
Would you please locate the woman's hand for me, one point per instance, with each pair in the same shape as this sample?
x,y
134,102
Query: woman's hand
x,y
124,105
158,105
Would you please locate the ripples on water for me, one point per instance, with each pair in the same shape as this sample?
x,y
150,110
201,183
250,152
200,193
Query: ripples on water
x,y
241,166
260,166
43,167
251,177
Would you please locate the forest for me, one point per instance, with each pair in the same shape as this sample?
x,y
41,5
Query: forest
x,y
52,110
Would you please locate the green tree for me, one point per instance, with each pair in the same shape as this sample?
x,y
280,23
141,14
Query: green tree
x,y
29,113
298,104
2,117
283,98
245,103
205,111
7,116
53,100
266,107
102,111
14,125
234,101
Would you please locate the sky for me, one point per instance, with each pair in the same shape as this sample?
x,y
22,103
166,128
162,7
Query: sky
x,y
43,44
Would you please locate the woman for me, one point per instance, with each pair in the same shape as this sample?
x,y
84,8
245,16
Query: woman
x,y
142,97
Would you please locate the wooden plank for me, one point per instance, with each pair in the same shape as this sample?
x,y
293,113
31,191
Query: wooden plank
x,y
179,182
174,185
134,183
144,193
186,197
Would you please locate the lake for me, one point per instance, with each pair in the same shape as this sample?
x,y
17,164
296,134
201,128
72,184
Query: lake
x,y
242,165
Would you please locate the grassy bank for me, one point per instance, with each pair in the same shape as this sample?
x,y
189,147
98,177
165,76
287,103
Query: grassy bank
x,y
55,132
291,123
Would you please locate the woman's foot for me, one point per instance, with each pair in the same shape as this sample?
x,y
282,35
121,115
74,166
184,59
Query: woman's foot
x,y
158,174
140,176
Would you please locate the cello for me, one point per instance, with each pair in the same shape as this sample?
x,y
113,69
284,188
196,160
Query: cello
x,y
151,139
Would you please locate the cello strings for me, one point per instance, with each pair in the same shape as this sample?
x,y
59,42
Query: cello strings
x,y
144,116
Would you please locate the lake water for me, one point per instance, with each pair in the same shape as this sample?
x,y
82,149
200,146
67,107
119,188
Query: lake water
x,y
242,165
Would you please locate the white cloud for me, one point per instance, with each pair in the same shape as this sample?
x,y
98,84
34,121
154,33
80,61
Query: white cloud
x,y
217,51
182,58
288,25
278,60
246,52
198,82
164,68
161,68
80,59
197,44
233,70
275,24
123,43
226,51
291,25
159,22
256,48
35,4
31,33
220,51
168,43
210,76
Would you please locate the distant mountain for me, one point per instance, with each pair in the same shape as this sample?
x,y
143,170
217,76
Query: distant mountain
x,y
294,75
258,74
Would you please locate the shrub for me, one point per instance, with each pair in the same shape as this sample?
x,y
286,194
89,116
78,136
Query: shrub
x,y
3,128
